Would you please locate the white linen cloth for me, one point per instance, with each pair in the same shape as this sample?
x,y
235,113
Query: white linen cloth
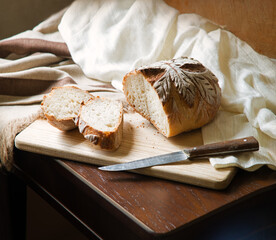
x,y
107,39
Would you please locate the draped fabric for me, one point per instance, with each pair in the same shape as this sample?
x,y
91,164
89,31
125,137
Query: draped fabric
x,y
96,42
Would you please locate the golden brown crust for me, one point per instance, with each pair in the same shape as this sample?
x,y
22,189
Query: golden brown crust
x,y
104,140
62,124
189,101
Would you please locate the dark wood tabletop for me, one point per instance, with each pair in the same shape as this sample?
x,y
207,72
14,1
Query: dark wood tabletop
x,y
122,205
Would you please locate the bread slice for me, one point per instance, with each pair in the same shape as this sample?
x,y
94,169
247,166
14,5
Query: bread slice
x,y
61,106
101,121
175,96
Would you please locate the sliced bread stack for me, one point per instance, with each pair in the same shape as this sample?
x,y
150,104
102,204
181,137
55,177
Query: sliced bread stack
x,y
100,120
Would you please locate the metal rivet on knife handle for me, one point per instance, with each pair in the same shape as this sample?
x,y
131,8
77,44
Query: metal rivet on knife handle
x,y
226,147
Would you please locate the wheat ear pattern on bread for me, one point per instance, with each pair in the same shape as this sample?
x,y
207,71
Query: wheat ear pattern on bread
x,y
175,96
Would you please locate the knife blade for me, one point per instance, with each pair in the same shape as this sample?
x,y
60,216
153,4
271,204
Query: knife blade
x,y
214,149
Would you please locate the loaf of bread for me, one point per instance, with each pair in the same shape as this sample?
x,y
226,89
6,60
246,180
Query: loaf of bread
x,y
61,106
100,120
175,96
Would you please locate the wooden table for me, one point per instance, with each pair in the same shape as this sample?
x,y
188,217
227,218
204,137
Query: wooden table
x,y
121,205
130,206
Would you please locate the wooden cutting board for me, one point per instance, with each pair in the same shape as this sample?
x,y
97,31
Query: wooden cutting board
x,y
140,140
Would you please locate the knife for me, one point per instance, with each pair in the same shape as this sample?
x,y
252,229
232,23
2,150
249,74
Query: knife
x,y
208,150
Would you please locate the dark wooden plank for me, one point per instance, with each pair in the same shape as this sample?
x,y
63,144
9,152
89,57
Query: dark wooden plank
x,y
82,206
132,206
12,207
164,205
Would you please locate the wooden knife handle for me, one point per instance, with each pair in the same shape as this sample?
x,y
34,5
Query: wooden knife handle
x,y
222,148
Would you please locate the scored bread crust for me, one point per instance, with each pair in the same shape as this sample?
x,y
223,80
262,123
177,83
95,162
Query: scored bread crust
x,y
104,140
64,124
189,93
